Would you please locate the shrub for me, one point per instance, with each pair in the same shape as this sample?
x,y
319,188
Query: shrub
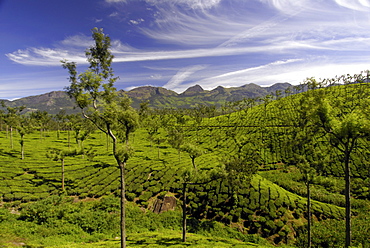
x,y
5,215
145,196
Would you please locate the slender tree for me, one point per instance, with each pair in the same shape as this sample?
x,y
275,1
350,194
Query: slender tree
x,y
41,119
24,126
193,151
176,138
300,145
60,118
11,118
96,96
60,155
344,121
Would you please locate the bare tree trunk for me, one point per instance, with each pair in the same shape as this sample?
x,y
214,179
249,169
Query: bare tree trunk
x,y
184,213
309,216
348,198
11,137
69,138
62,174
22,147
123,206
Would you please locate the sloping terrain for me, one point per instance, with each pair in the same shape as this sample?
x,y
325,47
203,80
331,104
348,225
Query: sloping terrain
x,y
272,207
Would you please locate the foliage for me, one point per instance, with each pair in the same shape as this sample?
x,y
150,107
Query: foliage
x,y
259,136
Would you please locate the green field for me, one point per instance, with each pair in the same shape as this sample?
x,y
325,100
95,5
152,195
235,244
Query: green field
x,y
270,208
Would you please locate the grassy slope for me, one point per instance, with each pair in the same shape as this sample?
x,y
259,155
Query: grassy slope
x,y
266,209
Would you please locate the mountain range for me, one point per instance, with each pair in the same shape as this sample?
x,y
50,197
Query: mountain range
x,y
158,97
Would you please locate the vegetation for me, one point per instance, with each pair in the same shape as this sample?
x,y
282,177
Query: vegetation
x,y
290,170
94,93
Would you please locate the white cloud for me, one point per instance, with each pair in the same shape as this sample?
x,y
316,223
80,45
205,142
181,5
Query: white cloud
x,y
27,84
126,53
288,6
273,40
182,75
293,71
116,1
136,22
358,5
114,14
44,56
194,4
77,41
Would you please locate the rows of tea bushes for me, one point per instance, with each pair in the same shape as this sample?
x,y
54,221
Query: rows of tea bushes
x,y
264,209
272,204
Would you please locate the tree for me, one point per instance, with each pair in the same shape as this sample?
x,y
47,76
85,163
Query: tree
x,y
241,165
176,138
82,128
344,121
96,96
190,176
42,119
11,118
301,146
24,126
60,155
60,118
193,151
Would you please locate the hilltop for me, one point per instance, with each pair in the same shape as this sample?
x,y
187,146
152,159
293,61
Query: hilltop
x,y
158,97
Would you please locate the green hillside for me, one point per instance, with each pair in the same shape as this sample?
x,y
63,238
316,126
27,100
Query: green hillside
x,y
266,136
157,97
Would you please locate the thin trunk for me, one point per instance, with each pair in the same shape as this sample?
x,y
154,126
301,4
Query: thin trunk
x,y
309,215
193,162
107,139
22,147
69,139
11,137
123,206
184,213
62,174
122,166
348,197
82,149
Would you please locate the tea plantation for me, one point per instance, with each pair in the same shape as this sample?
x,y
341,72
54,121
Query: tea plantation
x,y
223,209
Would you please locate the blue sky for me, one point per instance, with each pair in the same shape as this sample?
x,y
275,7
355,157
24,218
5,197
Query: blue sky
x,y
179,43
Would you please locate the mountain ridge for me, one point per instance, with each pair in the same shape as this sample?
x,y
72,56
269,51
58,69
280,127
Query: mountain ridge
x,y
158,97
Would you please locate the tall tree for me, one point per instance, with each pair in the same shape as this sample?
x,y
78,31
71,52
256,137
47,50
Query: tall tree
x,y
60,119
344,121
96,96
24,126
12,119
60,155
42,119
300,145
176,138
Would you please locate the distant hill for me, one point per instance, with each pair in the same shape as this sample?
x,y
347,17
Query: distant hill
x,y
158,97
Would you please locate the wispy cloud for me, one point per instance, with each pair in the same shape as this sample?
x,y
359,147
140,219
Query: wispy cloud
x,y
194,4
183,75
116,1
27,84
358,5
79,40
293,71
269,41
